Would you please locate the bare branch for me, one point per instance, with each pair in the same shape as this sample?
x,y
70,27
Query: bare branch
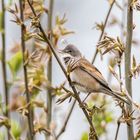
x,y
62,130
4,64
103,30
117,131
49,68
30,115
128,80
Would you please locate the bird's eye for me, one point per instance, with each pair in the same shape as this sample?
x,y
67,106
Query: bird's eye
x,y
69,51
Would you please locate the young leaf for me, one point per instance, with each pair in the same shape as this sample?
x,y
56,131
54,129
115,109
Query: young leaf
x,y
2,136
16,130
84,136
15,62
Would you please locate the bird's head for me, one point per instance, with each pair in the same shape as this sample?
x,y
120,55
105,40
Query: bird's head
x,y
70,52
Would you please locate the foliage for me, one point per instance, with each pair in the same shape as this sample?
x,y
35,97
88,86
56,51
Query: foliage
x,y
84,136
15,63
16,129
2,136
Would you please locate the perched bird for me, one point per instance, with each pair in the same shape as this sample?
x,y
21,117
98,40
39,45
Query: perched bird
x,y
86,77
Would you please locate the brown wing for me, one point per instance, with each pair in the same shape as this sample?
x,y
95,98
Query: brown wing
x,y
93,71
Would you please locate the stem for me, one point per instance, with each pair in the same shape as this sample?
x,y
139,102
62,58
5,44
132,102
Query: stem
x,y
117,131
123,20
120,73
30,115
128,80
65,73
7,114
49,70
62,130
103,30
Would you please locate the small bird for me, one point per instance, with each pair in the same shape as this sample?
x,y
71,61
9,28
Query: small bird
x,y
86,77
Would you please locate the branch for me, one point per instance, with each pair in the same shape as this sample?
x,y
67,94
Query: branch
x,y
62,130
103,30
49,69
119,61
30,115
117,131
128,80
7,114
64,71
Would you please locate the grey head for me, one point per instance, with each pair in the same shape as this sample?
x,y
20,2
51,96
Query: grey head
x,y
70,52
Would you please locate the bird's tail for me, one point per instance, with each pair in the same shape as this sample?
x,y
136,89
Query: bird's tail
x,y
113,94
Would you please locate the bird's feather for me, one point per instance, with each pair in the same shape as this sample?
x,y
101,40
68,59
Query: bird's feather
x,y
86,66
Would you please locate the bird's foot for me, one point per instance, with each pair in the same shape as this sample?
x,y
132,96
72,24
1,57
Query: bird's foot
x,y
94,109
83,105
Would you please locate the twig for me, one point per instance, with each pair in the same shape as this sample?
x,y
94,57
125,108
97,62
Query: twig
x,y
30,117
62,130
128,80
120,76
117,131
64,71
120,73
7,114
49,68
123,20
103,30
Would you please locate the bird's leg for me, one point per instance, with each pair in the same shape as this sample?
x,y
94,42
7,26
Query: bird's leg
x,y
83,105
86,97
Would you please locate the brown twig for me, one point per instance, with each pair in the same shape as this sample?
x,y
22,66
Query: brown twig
x,y
4,63
49,68
117,131
103,30
64,71
120,76
128,80
30,116
62,130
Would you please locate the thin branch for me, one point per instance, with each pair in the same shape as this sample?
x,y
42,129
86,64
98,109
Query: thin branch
x,y
62,130
120,73
103,30
117,131
120,76
64,71
30,115
123,20
128,80
49,68
7,114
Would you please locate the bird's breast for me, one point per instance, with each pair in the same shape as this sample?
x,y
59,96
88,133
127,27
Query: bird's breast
x,y
83,81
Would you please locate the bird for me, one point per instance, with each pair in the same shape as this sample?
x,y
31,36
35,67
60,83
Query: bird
x,y
85,76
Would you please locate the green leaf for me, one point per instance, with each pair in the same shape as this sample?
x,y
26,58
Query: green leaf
x,y
15,63
84,136
15,129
